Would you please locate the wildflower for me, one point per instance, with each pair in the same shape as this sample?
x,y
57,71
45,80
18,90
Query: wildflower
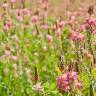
x,y
18,14
26,12
89,23
15,38
62,23
80,37
44,49
5,28
34,19
75,36
49,38
14,58
67,80
38,87
7,25
7,52
78,85
62,84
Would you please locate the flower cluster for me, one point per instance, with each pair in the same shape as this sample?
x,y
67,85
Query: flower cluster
x,y
75,36
90,24
7,25
68,81
38,87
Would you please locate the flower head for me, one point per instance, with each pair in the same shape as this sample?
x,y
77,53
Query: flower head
x,y
67,80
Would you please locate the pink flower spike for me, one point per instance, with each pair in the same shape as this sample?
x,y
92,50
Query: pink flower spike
x,y
62,24
5,28
34,19
80,37
26,12
49,38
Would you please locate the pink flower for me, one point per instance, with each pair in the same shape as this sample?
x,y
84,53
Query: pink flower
x,y
18,14
89,23
75,36
62,84
74,75
5,28
26,12
80,37
58,32
34,19
13,1
7,25
66,80
78,85
49,38
44,49
14,58
62,24
7,52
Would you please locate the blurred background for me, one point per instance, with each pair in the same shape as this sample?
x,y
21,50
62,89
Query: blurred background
x,y
56,7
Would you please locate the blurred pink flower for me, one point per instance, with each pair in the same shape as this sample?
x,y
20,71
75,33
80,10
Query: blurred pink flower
x,y
68,79
34,19
26,12
13,1
7,25
5,28
49,38
7,52
18,14
44,48
62,24
80,37
14,58
89,23
75,36
62,84
78,85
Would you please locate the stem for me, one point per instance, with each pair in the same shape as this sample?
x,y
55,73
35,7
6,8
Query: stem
x,y
23,3
91,90
90,46
77,56
36,75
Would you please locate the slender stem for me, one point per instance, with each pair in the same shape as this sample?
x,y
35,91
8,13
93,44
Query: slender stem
x,y
90,45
